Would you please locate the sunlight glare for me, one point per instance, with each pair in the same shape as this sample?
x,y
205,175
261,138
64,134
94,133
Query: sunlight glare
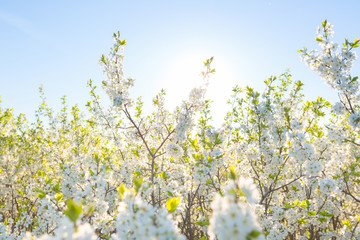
x,y
184,74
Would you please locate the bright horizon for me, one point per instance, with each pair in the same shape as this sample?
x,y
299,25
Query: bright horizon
x,y
58,45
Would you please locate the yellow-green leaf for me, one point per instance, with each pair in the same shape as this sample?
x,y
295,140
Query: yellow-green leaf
x,y
73,210
172,203
232,173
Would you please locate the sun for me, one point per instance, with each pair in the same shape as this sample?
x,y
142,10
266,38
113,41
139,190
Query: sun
x,y
184,74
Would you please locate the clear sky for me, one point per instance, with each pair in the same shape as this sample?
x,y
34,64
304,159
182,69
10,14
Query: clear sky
x,y
58,44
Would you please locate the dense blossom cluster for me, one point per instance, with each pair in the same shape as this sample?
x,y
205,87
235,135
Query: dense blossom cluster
x,y
335,67
116,86
233,216
279,167
140,220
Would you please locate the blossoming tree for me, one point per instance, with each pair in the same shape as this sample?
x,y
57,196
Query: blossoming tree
x,y
279,167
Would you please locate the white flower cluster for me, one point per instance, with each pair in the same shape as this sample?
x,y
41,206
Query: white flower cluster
x,y
333,66
139,220
67,230
233,217
354,119
185,112
196,97
174,150
117,85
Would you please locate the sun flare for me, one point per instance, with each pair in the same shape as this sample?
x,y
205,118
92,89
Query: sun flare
x,y
184,74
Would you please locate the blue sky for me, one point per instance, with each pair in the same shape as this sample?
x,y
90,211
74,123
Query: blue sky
x,y
58,44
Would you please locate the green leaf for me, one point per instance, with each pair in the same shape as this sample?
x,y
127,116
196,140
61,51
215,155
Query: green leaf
x,y
326,214
356,43
56,188
319,39
311,213
295,203
354,79
172,203
272,176
324,23
121,189
103,59
232,174
58,196
254,234
302,221
202,223
346,43
163,175
41,193
347,223
73,210
303,204
122,42
137,183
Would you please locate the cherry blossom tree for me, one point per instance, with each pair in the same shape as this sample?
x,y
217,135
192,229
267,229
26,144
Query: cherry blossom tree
x,y
280,167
